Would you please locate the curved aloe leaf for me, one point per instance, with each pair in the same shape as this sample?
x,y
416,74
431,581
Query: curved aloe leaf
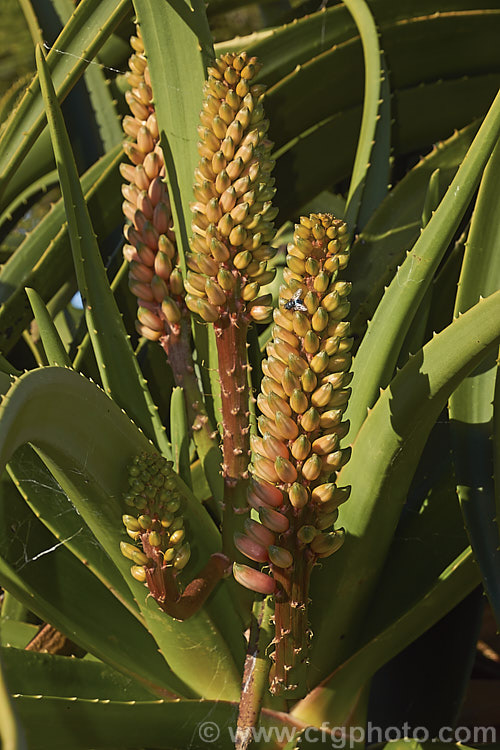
x,y
89,27
333,699
281,49
301,161
373,98
118,367
377,355
304,98
49,502
40,185
46,674
385,456
471,405
11,734
43,260
135,724
428,543
179,47
88,458
37,569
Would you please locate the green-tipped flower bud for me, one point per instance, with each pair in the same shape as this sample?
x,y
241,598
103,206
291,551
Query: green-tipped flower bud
x,y
233,185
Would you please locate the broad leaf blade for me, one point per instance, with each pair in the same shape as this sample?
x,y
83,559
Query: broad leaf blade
x,y
385,456
377,355
88,457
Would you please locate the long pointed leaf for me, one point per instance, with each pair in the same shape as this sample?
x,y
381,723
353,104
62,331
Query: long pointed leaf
x,y
471,405
90,25
372,100
385,456
377,355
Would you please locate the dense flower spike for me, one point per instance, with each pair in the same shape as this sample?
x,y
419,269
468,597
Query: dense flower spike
x,y
295,461
154,277
158,546
232,228
233,213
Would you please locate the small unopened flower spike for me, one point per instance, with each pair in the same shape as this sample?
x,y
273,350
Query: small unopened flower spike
x,y
157,543
296,458
232,230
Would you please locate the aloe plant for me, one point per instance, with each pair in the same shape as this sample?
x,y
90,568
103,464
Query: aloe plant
x,y
185,454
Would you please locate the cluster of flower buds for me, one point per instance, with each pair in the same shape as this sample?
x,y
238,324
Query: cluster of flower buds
x,y
154,276
303,397
233,213
153,520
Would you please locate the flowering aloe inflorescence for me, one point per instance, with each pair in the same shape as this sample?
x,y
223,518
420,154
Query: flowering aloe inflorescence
x,y
154,272
154,276
233,213
232,225
160,550
295,459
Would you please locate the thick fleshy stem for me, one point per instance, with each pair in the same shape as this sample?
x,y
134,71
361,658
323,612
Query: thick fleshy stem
x,y
255,672
177,346
291,624
231,336
162,583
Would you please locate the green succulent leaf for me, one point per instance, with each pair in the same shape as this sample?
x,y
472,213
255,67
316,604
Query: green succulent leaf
x,y
88,456
43,260
54,348
180,435
88,29
48,580
373,98
471,405
11,734
378,352
179,48
385,456
29,672
334,698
